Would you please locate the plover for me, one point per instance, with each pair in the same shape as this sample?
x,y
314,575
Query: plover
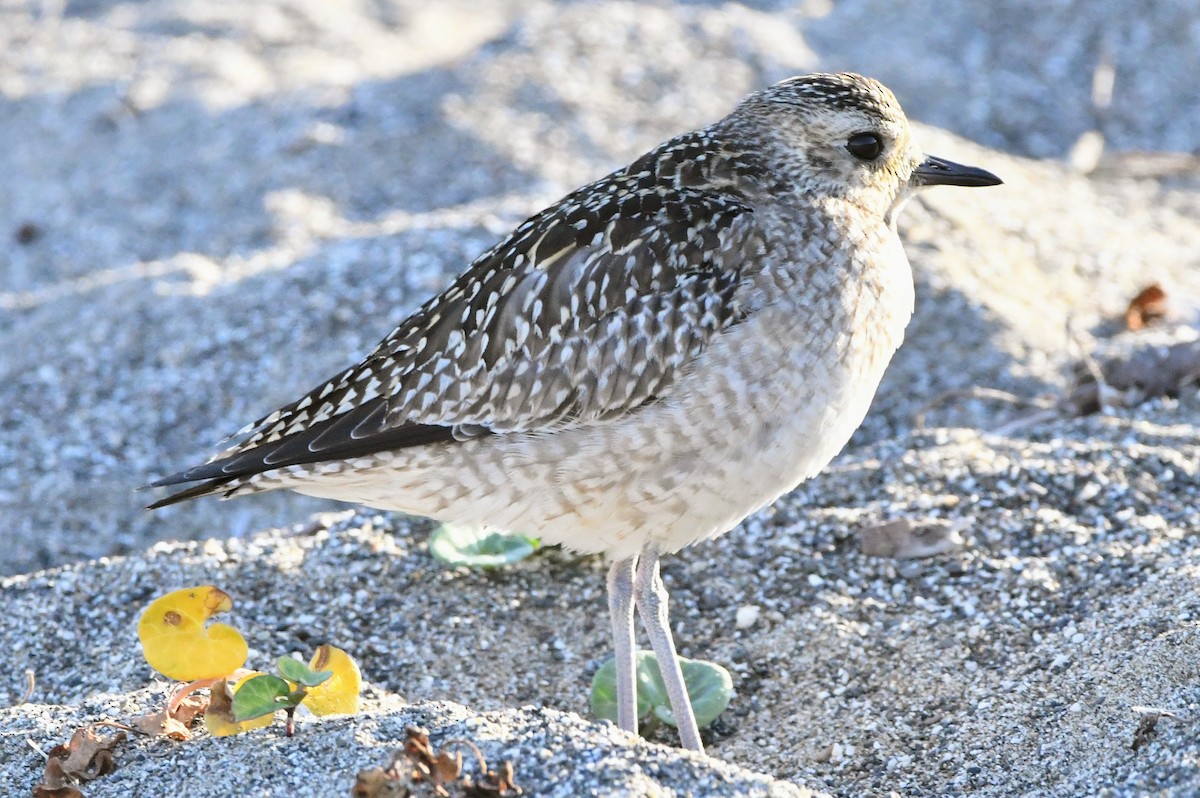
x,y
644,363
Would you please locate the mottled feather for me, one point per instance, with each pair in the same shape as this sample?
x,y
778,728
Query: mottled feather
x,y
587,311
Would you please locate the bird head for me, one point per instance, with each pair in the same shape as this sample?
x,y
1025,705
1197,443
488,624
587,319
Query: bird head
x,y
846,136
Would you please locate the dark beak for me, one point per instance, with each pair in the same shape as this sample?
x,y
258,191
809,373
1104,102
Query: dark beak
x,y
940,172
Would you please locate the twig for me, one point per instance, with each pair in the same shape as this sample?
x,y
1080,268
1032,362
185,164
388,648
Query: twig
x,y
186,690
1089,362
483,768
35,747
979,392
28,687
1021,422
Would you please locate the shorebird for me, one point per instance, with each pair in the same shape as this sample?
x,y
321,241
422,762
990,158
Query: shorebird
x,y
641,365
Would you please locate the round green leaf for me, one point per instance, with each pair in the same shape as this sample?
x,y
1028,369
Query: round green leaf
x,y
260,696
478,548
296,671
710,689
709,686
604,693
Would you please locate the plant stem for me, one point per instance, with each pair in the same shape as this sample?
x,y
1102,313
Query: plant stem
x,y
183,691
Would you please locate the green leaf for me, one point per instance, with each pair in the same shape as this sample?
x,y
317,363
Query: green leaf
x,y
260,695
709,686
296,671
478,548
604,694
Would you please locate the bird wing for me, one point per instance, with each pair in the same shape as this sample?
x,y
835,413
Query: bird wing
x,y
585,312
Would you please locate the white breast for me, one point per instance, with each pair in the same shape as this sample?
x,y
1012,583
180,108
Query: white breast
x,y
768,405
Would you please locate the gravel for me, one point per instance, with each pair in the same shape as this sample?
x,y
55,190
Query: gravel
x,y
223,203
1014,665
554,755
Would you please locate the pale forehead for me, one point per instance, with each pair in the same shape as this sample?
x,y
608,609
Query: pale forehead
x,y
836,92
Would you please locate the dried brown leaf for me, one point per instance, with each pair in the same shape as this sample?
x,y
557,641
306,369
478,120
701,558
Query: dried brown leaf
x,y
437,769
1147,724
495,784
416,743
54,778
1148,307
160,724
1146,373
378,783
42,791
174,720
1156,371
910,540
446,768
187,710
87,756
220,700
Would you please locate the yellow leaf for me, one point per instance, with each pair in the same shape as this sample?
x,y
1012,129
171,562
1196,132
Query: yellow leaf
x,y
339,693
178,645
218,719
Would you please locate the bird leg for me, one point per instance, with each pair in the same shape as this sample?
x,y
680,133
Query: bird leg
x,y
620,608
651,598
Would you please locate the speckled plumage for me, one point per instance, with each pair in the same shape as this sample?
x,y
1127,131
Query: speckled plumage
x,y
644,363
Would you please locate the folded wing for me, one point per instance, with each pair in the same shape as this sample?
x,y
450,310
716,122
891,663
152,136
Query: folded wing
x,y
588,311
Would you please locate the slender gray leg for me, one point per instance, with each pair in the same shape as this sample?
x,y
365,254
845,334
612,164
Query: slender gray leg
x,y
651,597
620,608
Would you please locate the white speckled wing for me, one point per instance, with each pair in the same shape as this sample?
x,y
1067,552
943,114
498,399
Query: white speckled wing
x,y
587,311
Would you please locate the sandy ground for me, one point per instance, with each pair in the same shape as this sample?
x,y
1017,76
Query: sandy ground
x,y
209,207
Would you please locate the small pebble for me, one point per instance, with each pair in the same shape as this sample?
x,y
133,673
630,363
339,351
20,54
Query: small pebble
x,y
747,616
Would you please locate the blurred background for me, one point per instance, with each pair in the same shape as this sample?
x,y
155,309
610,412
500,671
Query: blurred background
x,y
210,206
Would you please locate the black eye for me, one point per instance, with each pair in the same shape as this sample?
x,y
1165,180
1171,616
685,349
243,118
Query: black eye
x,y
865,146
